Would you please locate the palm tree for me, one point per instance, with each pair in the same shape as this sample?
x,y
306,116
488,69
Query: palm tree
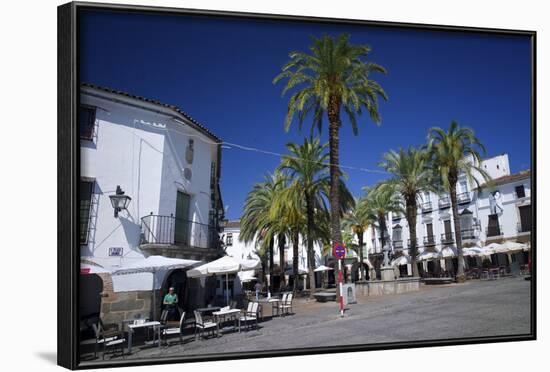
x,y
381,200
455,153
307,165
288,208
333,77
411,175
357,221
256,221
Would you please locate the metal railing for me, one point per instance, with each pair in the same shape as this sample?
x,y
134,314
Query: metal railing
x,y
447,238
468,233
524,228
398,244
156,229
463,197
409,243
427,207
444,202
429,240
494,230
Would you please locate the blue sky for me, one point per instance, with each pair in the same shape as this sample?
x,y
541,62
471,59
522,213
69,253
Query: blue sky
x,y
220,71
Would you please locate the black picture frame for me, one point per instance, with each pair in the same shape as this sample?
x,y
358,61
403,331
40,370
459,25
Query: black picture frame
x,y
68,186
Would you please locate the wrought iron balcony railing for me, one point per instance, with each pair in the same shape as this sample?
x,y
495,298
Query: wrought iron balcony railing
x,y
468,233
427,207
444,202
494,231
170,230
429,240
398,244
463,198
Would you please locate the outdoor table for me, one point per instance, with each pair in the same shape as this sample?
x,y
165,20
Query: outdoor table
x,y
153,324
272,301
221,314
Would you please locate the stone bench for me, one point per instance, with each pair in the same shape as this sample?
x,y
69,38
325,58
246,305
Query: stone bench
x,y
435,281
325,296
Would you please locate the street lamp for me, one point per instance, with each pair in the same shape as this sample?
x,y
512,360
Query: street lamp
x,y
119,201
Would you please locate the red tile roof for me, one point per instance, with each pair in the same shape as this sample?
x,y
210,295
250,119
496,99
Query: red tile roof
x,y
233,224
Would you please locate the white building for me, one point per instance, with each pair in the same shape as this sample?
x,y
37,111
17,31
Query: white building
x,y
496,211
169,165
236,248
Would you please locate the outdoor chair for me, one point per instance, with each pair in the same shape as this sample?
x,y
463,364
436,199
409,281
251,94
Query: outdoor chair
x,y
286,304
282,302
201,326
166,331
108,338
249,315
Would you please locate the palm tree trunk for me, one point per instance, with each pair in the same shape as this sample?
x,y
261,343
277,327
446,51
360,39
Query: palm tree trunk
x,y
411,220
460,269
382,222
333,113
271,244
281,239
310,252
295,248
361,268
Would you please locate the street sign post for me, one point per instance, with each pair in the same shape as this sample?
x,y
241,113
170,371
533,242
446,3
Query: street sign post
x,y
339,251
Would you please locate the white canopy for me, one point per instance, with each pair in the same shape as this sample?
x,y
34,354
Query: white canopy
x,y
473,251
491,248
224,265
426,255
509,246
448,252
153,264
402,260
323,268
86,268
246,276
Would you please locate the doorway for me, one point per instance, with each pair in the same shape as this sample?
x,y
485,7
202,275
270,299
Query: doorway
x,y
182,225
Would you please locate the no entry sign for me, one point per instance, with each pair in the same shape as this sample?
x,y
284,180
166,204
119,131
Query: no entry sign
x,y
339,251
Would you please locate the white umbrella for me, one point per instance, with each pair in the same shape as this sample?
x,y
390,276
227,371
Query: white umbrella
x,y
426,255
323,268
509,246
246,276
301,271
491,248
472,251
448,252
153,264
225,265
402,260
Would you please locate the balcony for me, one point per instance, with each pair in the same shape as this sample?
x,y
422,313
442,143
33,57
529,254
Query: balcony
x,y
463,198
494,231
426,207
525,228
468,234
447,238
398,244
429,241
444,202
170,236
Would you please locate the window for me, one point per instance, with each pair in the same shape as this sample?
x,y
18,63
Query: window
x,y
86,190
86,122
229,240
520,191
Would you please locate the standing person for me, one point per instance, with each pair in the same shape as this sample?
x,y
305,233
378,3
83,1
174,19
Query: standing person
x,y
170,303
258,288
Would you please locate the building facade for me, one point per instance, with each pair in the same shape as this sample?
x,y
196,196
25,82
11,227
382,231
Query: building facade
x,y
166,167
494,211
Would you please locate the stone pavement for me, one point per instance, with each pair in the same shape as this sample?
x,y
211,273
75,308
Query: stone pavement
x,y
476,308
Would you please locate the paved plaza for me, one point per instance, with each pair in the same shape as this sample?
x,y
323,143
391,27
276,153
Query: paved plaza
x,y
476,308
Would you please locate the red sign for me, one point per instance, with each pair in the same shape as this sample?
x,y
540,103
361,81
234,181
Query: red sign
x,y
339,251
